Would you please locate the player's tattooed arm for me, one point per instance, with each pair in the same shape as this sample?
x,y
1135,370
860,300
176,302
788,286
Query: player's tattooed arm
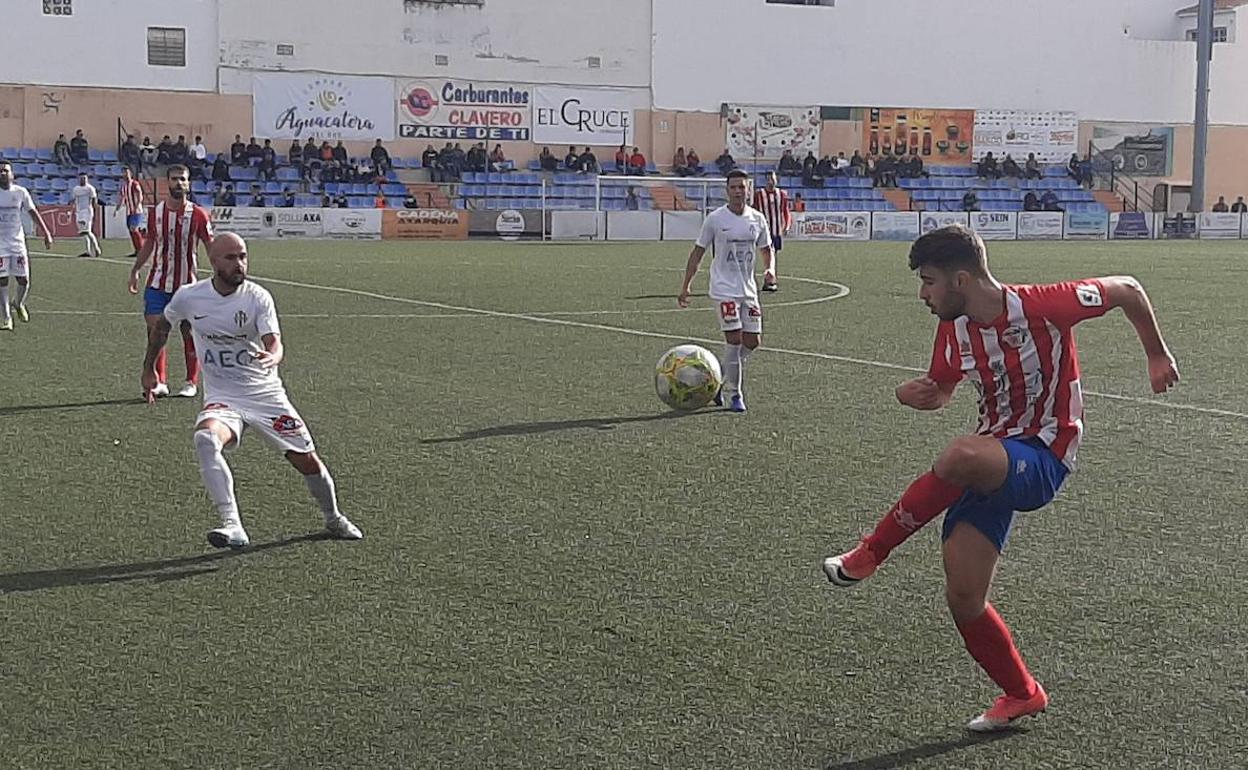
x,y
691,269
157,336
1124,291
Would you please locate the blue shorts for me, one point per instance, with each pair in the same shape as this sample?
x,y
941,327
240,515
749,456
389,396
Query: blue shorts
x,y
1034,477
155,300
777,243
133,221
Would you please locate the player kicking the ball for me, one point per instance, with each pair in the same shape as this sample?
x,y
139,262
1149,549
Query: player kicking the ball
x,y
1016,345
239,345
734,232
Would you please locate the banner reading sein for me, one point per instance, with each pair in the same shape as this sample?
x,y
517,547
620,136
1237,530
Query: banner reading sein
x,y
461,110
937,136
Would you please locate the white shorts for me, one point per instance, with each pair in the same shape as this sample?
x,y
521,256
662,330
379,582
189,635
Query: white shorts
x,y
273,416
739,315
16,266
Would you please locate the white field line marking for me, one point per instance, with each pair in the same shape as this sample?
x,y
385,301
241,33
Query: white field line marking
x,y
468,310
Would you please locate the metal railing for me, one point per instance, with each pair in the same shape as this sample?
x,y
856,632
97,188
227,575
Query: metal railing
x,y
1107,176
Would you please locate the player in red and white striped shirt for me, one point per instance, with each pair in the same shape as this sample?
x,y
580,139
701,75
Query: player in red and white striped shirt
x,y
175,228
1016,345
132,199
774,203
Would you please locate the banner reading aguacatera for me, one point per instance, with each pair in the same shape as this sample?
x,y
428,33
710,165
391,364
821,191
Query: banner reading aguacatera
x,y
463,110
296,105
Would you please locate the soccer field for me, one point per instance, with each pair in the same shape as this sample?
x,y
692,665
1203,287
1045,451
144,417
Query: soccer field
x,y
557,572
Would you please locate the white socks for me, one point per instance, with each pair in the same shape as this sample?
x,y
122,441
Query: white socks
x,y
5,313
217,476
93,245
22,290
322,488
733,367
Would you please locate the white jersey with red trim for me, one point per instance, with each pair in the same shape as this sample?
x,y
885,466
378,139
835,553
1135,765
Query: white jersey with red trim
x,y
1024,364
15,204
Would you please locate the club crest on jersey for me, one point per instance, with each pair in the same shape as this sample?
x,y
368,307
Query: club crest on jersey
x,y
1015,336
240,318
287,424
1089,295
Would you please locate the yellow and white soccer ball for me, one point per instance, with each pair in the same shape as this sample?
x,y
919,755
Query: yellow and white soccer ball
x,y
687,377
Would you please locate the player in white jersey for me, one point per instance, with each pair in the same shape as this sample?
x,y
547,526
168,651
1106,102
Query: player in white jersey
x,y
14,261
735,233
239,344
85,200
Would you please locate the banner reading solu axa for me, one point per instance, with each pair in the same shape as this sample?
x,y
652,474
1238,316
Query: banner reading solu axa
x,y
296,105
581,116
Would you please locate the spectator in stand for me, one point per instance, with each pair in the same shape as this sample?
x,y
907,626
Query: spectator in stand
x,y
288,198
858,165
179,153
410,202
254,152
631,201
1221,207
446,164
1031,202
478,160
970,201
547,160
1009,167
221,169
428,159
987,167
915,167
224,196
789,165
332,173
79,151
842,164
695,163
799,204
1085,171
325,153
164,151
459,156
197,157
725,163
826,168
60,151
1072,168
311,158
1031,170
637,163
621,160
257,197
130,154
498,161
572,160
148,153
268,161
295,154
340,154
680,162
1239,207
587,163
1048,201
810,171
381,159
238,151
379,201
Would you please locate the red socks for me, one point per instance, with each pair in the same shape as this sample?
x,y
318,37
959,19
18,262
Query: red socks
x,y
990,644
925,499
192,363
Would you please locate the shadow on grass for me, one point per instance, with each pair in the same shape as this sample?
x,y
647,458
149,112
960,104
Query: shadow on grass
x,y
551,426
669,295
160,571
21,409
934,746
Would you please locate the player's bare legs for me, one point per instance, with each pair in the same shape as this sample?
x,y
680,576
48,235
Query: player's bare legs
x,y
162,359
970,562
211,437
321,485
191,388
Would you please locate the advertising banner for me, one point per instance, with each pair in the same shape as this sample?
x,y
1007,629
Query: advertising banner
x,y
766,132
1178,226
582,116
269,223
933,220
938,136
424,224
352,224
1040,225
1050,135
834,226
296,105
894,225
1086,226
1139,149
460,110
995,225
507,225
1219,225
1130,225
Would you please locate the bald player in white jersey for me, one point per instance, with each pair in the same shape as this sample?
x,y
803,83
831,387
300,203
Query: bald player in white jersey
x,y
15,201
85,200
736,233
238,341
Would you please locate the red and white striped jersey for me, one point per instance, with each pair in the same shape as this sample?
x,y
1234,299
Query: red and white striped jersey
x,y
1024,364
775,206
132,197
176,236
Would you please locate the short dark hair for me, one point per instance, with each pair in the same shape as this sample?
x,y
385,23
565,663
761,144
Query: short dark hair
x,y
4,162
177,169
736,173
953,247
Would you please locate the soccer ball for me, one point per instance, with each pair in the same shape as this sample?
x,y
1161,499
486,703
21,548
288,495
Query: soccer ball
x,y
687,377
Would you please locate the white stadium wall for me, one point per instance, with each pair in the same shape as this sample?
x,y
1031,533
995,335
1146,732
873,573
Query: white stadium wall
x,y
580,42
1050,55
104,43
